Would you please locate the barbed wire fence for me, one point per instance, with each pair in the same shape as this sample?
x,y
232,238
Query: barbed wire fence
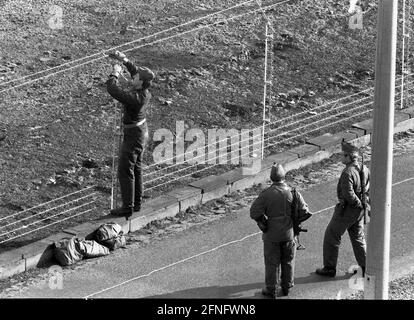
x,y
406,34
269,135
21,220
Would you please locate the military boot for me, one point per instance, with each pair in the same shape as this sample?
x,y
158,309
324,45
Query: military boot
x,y
326,271
285,291
362,270
269,293
127,195
122,212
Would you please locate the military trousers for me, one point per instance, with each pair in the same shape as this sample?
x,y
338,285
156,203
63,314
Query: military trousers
x,y
351,220
279,259
130,165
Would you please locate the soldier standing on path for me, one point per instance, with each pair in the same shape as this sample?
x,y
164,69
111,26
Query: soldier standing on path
x,y
275,204
135,102
348,214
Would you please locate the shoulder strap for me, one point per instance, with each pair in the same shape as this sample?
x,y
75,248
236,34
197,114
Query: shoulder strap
x,y
361,171
294,211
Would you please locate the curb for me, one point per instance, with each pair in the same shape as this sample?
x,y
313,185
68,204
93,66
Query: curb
x,y
40,253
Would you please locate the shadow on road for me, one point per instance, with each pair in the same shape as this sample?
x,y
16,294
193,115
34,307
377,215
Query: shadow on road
x,y
245,291
313,278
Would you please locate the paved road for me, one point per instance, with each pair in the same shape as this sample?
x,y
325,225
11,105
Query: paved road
x,y
223,259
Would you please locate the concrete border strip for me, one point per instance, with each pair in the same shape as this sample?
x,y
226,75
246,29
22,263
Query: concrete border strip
x,y
40,253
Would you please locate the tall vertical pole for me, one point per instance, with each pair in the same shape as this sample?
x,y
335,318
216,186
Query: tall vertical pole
x,y
403,55
114,150
265,89
408,34
377,268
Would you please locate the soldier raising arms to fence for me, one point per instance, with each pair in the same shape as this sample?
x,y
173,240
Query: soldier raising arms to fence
x,y
135,102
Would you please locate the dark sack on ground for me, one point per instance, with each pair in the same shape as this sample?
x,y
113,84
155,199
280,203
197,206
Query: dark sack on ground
x,y
66,251
110,235
92,249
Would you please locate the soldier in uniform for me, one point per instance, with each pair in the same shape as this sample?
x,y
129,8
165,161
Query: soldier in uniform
x,y
275,203
348,214
135,101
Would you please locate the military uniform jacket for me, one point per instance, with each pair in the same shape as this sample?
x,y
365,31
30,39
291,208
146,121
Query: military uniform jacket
x,y
276,204
349,189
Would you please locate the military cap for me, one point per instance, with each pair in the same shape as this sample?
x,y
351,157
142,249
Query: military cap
x,y
349,148
145,74
277,173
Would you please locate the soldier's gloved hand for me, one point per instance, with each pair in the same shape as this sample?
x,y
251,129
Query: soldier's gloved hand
x,y
118,56
117,69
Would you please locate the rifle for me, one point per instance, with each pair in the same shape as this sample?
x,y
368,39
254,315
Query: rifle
x,y
262,223
363,189
297,228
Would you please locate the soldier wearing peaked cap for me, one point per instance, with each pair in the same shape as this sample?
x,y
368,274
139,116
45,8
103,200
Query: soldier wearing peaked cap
x,y
275,204
348,214
135,102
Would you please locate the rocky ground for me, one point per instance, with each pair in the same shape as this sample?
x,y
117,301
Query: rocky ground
x,y
326,170
399,289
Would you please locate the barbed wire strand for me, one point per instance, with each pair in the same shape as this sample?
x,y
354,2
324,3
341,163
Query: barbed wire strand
x,y
312,124
339,121
333,116
353,116
42,204
175,172
48,210
138,47
115,150
273,137
127,43
256,128
283,120
198,171
45,226
248,139
58,214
